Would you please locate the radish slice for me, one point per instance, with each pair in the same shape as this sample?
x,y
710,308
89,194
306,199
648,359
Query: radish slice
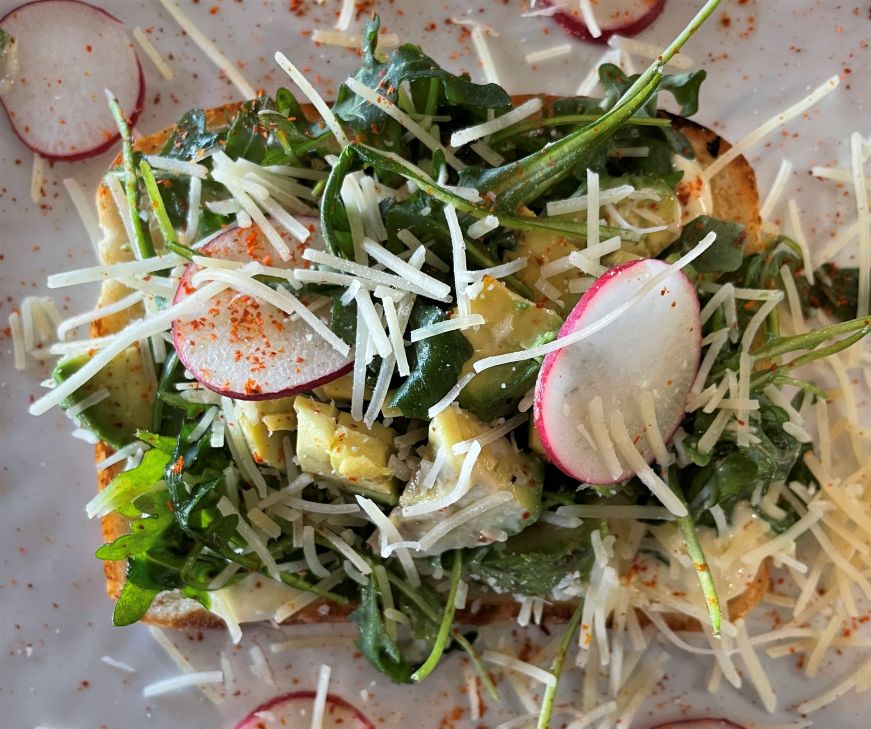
x,y
699,724
69,52
245,348
294,711
654,348
626,17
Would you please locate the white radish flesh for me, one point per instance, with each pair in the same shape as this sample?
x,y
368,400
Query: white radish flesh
x,y
653,347
69,53
246,348
295,710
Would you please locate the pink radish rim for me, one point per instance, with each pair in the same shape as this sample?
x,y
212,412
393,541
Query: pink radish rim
x,y
296,695
552,358
112,141
576,27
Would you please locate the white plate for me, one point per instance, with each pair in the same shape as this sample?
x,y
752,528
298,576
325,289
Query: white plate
x,y
56,621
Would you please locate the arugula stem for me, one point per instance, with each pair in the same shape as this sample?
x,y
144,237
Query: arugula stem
x,y
166,377
447,622
415,597
478,664
131,188
432,97
395,164
694,549
564,120
697,555
160,214
760,379
810,340
521,182
556,667
313,144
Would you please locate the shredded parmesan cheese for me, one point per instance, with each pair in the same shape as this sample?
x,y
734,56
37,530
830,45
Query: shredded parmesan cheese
x,y
515,664
393,111
485,129
797,109
210,49
323,686
314,97
861,192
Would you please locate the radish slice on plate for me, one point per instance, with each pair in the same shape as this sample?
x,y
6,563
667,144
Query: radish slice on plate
x,y
651,352
295,710
69,52
244,347
699,724
626,17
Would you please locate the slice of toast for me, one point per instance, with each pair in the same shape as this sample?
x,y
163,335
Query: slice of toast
x,y
735,198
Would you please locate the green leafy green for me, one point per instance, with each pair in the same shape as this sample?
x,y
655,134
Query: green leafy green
x,y
534,561
835,290
726,252
407,64
378,647
132,603
128,485
684,87
435,364
730,473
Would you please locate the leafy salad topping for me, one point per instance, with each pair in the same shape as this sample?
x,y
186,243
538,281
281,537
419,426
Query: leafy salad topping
x,y
414,487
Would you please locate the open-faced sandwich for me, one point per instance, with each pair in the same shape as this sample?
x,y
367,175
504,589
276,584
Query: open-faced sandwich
x,y
432,357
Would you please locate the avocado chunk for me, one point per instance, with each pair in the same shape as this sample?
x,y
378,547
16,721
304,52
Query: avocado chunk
x,y
264,424
498,468
116,418
512,323
661,207
333,445
339,389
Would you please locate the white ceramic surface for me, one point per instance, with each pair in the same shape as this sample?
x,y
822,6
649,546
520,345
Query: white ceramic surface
x,y
55,622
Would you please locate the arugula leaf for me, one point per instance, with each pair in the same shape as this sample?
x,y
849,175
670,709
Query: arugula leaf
x,y
835,290
378,647
132,603
729,474
144,534
406,64
534,561
683,86
724,255
190,136
435,364
127,486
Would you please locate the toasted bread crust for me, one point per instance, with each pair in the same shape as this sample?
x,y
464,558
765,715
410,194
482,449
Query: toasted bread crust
x,y
735,198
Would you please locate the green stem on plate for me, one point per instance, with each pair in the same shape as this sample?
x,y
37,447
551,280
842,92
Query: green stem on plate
x,y
447,622
556,667
697,555
477,663
160,214
131,188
